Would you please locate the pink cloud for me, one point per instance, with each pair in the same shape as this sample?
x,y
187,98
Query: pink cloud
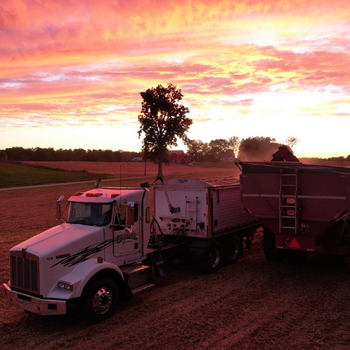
x,y
83,58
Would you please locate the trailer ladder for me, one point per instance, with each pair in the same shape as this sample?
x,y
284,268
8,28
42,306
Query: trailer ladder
x,y
288,202
191,211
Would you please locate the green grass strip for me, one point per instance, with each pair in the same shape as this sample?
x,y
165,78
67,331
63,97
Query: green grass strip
x,y
14,174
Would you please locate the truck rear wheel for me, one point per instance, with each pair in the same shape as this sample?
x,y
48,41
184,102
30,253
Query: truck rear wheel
x,y
101,300
232,249
269,244
212,256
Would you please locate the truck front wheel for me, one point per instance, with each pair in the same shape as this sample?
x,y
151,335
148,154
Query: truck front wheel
x,y
101,300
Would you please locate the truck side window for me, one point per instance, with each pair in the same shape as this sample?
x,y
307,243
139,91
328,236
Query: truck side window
x,y
120,215
136,212
120,218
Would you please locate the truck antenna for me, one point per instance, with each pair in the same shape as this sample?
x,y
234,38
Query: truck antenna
x,y
97,182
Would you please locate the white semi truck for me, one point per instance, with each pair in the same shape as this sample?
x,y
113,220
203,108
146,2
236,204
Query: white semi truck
x,y
110,244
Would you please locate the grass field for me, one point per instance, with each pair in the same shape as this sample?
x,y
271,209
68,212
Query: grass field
x,y
15,174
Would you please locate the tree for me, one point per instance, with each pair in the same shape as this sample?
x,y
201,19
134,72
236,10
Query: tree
x,y
291,141
219,148
3,155
233,142
197,150
212,151
162,121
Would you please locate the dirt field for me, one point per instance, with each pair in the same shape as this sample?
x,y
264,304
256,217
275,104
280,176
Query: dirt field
x,y
253,304
125,168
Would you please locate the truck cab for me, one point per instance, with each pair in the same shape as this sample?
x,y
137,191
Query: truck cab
x,y
90,257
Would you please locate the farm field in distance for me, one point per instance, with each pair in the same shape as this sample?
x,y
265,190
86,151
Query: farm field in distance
x,y
253,304
17,174
125,169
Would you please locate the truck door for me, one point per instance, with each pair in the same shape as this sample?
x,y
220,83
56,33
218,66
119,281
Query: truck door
x,y
126,232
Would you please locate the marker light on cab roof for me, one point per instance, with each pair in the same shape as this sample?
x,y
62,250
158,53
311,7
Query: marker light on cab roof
x,y
89,194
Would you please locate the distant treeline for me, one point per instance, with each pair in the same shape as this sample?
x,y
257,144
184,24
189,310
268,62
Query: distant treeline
x,y
82,155
251,148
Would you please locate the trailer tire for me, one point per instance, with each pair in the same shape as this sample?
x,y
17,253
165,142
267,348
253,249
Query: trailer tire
x,y
101,300
232,249
212,257
296,256
337,261
269,245
250,234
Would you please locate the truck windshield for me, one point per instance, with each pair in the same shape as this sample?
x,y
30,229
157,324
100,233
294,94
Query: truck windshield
x,y
98,214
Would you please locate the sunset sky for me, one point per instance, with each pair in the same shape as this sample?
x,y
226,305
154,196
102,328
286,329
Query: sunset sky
x,y
72,70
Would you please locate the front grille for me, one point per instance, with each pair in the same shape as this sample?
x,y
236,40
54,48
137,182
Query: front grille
x,y
24,271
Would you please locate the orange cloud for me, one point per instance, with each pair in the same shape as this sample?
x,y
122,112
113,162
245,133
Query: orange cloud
x,y
75,62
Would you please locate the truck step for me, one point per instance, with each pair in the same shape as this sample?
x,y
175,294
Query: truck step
x,y
137,275
142,288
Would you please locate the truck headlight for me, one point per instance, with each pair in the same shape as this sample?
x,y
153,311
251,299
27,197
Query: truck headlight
x,y
65,286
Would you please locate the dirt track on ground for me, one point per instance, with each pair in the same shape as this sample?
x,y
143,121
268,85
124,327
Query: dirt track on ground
x,y
253,304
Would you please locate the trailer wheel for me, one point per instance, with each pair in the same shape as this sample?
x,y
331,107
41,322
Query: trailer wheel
x,y
337,261
212,257
101,300
249,237
269,244
296,256
232,249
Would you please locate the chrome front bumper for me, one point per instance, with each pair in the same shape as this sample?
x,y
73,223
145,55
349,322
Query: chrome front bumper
x,y
34,304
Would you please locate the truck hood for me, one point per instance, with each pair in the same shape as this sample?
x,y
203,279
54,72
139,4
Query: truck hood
x,y
62,238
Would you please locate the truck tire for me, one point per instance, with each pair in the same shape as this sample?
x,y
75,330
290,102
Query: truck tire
x,y
232,249
269,244
212,257
101,299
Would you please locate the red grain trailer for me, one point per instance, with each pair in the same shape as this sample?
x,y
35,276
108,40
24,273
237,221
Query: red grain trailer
x,y
304,208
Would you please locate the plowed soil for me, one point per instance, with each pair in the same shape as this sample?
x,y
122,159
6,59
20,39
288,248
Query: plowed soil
x,y
125,168
253,304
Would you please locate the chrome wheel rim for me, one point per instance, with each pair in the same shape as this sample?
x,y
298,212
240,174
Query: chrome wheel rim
x,y
102,301
233,250
214,257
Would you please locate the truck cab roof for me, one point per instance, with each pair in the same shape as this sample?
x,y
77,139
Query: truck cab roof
x,y
107,195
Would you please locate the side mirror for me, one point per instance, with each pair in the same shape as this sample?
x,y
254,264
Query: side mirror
x,y
130,215
58,207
